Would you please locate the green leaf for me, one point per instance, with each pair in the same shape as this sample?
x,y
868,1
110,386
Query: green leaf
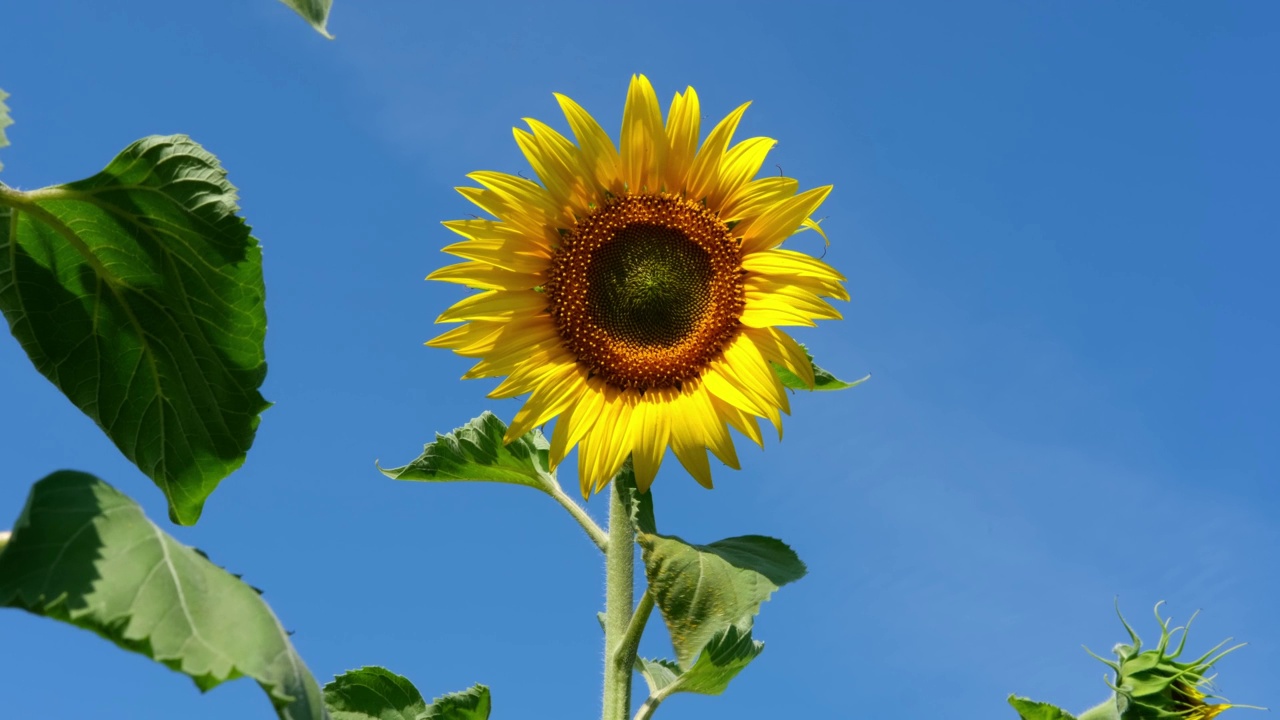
x,y
315,12
374,693
640,503
139,293
475,452
729,651
85,554
1031,710
822,380
703,589
658,673
470,704
5,121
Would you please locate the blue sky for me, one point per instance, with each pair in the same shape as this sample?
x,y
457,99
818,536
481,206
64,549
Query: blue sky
x,y
1058,224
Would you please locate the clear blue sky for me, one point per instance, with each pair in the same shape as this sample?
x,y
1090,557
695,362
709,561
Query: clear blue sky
x,y
1058,222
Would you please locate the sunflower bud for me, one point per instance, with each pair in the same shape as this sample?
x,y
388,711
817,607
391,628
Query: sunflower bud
x,y
1154,685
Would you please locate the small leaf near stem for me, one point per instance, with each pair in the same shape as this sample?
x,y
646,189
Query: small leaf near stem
x,y
476,452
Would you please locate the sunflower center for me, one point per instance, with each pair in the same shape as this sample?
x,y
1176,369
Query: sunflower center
x,y
647,291
649,285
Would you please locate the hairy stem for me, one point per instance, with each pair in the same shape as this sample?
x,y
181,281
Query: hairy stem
x,y
597,535
619,572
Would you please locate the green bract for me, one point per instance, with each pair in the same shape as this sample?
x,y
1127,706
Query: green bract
x,y
1154,685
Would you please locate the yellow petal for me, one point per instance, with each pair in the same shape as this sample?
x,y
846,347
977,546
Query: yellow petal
x,y
557,392
493,305
485,276
766,298
597,149
556,182
741,164
510,358
716,435
757,196
781,349
644,142
683,126
604,443
524,196
516,258
689,445
651,423
787,267
531,224
524,375
705,172
500,234
780,221
750,365
741,421
574,423
565,159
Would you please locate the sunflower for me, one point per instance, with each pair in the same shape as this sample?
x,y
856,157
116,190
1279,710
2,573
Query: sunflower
x,y
637,295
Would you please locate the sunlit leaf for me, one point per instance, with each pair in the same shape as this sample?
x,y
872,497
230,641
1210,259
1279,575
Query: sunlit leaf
x,y
729,651
85,554
1031,710
374,693
475,452
315,12
469,704
702,590
822,380
138,292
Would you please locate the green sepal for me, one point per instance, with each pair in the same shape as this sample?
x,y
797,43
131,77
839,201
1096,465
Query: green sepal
x,y
315,12
374,693
702,590
1031,710
1154,684
475,452
85,554
639,504
138,292
822,380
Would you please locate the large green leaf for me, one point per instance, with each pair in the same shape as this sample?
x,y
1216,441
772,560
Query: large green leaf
x,y
1031,710
5,121
702,590
475,452
822,380
315,12
85,554
373,693
139,293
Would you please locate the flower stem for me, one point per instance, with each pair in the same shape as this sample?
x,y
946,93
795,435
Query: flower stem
x,y
619,572
597,535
